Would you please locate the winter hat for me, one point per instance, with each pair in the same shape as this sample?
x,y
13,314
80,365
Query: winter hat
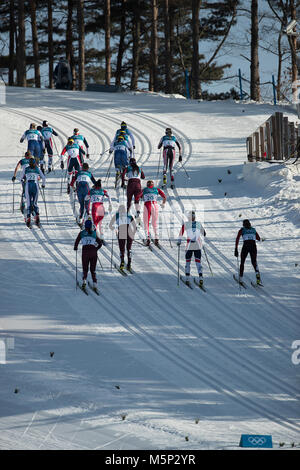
x,y
88,224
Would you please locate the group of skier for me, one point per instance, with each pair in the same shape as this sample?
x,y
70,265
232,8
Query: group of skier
x,y
91,197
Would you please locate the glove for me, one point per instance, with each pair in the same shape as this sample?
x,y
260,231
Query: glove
x,y
236,253
180,158
111,151
87,155
43,186
263,239
178,243
62,165
44,151
13,179
75,248
134,146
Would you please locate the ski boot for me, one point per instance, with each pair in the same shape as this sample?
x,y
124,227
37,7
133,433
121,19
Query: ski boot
x,y
164,179
68,188
37,220
156,242
187,279
258,279
128,267
118,174
147,243
122,265
28,221
79,221
200,280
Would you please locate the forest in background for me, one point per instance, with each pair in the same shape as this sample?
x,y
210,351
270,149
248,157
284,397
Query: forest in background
x,y
154,45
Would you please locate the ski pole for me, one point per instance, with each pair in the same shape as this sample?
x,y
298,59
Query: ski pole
x,y
100,262
112,250
238,271
207,260
13,196
178,265
76,270
61,180
45,205
188,177
158,164
43,196
108,171
104,152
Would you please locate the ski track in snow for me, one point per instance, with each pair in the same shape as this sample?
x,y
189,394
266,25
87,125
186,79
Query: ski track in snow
x,y
184,343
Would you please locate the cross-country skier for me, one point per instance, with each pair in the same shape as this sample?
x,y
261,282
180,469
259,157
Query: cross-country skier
x,y
48,133
151,210
81,141
134,174
168,143
23,163
94,205
195,234
122,150
126,133
90,245
33,136
249,235
74,160
31,175
84,180
126,229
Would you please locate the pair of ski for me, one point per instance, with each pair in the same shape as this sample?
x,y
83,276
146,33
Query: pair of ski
x,y
123,271
150,245
84,289
30,225
242,283
196,281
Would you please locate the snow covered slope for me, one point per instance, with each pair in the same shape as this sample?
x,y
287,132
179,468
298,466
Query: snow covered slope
x,y
149,364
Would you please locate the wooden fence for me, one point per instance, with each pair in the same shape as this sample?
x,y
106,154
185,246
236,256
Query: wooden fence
x,y
276,139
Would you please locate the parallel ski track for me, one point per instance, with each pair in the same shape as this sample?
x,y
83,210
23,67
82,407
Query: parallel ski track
x,y
266,296
212,380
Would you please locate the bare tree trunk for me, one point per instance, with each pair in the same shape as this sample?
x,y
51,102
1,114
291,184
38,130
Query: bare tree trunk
x,y
69,43
154,48
195,73
293,49
121,48
254,68
21,53
12,29
136,46
168,84
81,38
50,43
35,45
107,42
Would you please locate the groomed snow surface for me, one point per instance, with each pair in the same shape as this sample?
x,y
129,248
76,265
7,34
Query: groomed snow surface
x,y
149,364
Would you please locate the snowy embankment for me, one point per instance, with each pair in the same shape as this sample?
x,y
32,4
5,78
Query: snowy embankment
x,y
149,364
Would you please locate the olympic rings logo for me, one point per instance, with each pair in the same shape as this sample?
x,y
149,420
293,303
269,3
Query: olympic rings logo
x,y
257,440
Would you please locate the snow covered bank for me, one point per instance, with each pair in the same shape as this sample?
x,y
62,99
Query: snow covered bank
x,y
279,187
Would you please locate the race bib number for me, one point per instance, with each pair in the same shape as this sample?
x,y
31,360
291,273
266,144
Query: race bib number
x,y
73,153
47,135
97,198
